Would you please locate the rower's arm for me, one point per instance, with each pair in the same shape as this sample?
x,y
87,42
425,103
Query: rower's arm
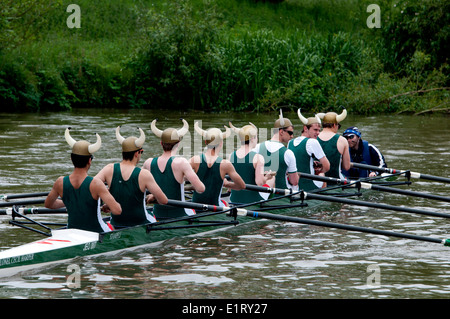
x,y
260,177
325,164
343,144
153,187
52,201
192,177
99,189
236,183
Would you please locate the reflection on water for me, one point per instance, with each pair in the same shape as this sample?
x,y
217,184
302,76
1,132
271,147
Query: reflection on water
x,y
257,260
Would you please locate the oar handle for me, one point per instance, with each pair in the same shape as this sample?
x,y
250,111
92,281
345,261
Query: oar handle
x,y
324,179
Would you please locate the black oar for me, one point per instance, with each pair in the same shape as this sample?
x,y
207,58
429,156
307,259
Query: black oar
x,y
364,185
306,196
257,214
23,202
402,191
445,242
26,195
391,170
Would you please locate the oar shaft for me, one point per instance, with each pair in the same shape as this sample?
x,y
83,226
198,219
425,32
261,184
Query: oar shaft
x,y
403,192
27,195
393,171
373,205
324,179
342,226
23,202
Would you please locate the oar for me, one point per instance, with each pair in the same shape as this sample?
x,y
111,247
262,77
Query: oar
x,y
328,198
26,195
376,187
402,191
243,212
34,211
256,214
23,202
391,170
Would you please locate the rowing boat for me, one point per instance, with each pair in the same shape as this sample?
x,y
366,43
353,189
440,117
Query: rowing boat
x,y
65,244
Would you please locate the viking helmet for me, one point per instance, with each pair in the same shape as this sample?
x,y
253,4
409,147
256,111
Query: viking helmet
x,y
131,143
245,133
82,147
212,136
309,120
282,122
332,117
170,135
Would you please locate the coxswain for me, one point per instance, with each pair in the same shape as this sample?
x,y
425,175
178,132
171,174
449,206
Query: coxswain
x,y
128,183
277,157
334,145
170,171
309,154
212,168
363,152
249,165
82,194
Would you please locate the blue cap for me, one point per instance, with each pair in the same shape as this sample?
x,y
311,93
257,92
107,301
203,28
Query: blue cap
x,y
352,130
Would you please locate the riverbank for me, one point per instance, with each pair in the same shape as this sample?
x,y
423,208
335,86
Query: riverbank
x,y
231,55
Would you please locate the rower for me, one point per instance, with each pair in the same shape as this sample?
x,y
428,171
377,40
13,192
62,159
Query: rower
x,y
309,154
212,169
277,157
249,165
171,171
128,183
334,145
81,194
363,152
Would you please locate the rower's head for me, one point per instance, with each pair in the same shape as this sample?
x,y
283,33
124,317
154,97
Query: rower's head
x,y
131,145
332,119
247,133
82,151
170,136
284,128
213,137
353,135
311,125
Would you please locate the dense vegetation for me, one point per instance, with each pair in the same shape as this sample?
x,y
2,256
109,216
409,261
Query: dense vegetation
x,y
222,55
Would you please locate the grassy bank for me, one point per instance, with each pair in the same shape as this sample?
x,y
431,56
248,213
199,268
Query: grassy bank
x,y
228,55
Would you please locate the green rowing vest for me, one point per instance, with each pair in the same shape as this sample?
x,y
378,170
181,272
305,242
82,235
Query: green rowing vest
x,y
210,177
275,162
331,152
303,161
83,211
129,195
244,167
170,187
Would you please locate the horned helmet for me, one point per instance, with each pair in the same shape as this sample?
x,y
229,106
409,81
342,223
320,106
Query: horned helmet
x,y
309,120
245,133
332,117
282,122
170,135
82,147
212,136
132,143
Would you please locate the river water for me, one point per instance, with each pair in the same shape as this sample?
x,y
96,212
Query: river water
x,y
263,259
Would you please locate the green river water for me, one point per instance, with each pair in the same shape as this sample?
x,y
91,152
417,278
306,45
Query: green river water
x,y
263,259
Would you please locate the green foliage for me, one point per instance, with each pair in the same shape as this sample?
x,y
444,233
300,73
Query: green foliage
x,y
220,55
